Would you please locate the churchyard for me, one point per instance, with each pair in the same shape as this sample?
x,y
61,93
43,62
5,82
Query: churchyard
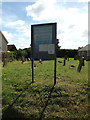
x,y
23,99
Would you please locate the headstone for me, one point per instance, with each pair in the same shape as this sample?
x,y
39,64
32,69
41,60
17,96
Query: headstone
x,y
75,58
72,66
27,59
35,66
22,59
59,61
64,62
40,61
79,66
65,57
83,62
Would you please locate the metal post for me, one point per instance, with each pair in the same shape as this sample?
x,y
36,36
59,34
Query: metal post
x,y
55,72
32,72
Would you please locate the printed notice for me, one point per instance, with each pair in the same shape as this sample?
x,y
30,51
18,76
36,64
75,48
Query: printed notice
x,y
51,49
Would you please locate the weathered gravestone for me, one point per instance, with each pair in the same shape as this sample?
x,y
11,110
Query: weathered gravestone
x,y
64,62
59,62
65,57
40,61
81,63
75,57
68,58
79,66
72,66
22,59
35,66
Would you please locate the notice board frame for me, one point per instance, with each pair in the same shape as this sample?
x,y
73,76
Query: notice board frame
x,y
54,34
43,55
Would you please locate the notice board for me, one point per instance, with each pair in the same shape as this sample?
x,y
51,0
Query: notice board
x,y
43,41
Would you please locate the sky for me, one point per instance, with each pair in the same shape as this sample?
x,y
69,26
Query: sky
x,y
71,17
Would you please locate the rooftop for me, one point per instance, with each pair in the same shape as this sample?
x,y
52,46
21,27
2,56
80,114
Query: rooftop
x,y
86,48
3,36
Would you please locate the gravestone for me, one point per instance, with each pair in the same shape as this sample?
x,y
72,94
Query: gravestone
x,y
68,58
83,62
64,62
65,57
40,61
22,59
35,66
59,62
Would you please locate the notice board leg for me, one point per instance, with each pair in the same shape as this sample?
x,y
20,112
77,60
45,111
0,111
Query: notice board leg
x,y
55,72
32,71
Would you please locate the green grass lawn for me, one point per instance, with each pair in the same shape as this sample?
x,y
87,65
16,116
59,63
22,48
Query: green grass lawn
x,y
69,98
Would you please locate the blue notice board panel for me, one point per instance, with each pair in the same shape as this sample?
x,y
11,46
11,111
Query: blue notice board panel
x,y
43,41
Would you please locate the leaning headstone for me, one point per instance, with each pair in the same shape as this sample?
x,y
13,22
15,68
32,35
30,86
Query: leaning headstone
x,y
64,62
79,66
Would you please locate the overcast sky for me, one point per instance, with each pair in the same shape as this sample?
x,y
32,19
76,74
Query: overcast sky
x,y
71,18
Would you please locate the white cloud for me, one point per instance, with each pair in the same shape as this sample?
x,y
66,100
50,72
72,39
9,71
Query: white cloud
x,y
7,35
36,0
25,30
20,28
42,10
66,18
16,23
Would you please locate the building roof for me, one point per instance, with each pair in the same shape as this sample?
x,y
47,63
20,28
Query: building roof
x,y
3,36
86,48
12,47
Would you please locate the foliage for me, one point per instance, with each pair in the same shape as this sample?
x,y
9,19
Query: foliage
x,y
8,55
58,47
26,53
71,53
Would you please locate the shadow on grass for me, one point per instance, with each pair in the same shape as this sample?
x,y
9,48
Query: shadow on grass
x,y
42,112
20,94
11,113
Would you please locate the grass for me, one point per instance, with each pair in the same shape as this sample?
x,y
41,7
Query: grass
x,y
69,98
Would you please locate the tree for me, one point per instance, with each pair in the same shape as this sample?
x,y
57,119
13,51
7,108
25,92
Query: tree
x,y
80,48
57,44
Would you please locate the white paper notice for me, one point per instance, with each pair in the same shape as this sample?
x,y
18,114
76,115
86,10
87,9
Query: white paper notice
x,y
51,49
47,48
